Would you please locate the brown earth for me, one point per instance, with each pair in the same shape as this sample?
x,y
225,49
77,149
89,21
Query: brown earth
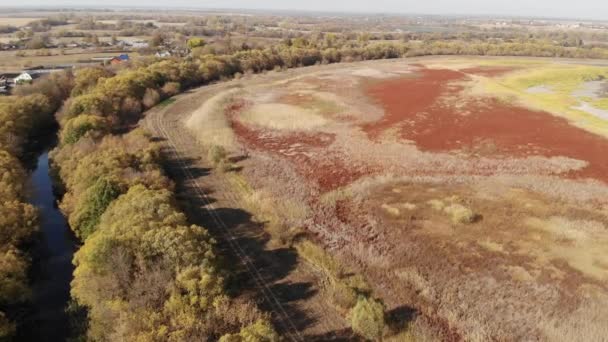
x,y
496,278
304,150
415,106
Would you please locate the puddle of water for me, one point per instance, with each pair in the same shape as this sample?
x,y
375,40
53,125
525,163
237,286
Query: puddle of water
x,y
539,89
587,108
590,89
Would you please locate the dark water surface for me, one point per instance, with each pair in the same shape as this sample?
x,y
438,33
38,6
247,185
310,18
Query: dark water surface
x,y
52,269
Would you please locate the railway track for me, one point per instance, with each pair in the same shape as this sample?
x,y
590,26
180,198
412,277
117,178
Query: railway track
x,y
288,328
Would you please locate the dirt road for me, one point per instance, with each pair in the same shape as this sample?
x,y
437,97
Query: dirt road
x,y
282,284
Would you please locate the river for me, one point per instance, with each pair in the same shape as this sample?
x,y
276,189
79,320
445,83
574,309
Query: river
x,y
52,268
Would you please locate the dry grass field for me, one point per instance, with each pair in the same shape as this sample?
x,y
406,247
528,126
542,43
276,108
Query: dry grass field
x,y
9,62
15,21
465,189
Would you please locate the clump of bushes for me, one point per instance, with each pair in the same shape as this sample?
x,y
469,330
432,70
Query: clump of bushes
x,y
367,318
218,156
76,128
260,331
349,293
458,213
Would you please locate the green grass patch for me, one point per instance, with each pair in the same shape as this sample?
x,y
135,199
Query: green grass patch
x,y
563,81
166,102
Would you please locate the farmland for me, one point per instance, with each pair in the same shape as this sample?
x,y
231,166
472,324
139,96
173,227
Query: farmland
x,y
464,189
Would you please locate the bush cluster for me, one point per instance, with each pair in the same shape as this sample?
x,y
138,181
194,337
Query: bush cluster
x,y
143,273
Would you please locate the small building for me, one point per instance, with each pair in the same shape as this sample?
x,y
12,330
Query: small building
x,y
140,44
163,54
25,77
115,61
102,59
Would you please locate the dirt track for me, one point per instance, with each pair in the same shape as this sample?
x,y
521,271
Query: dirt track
x,y
285,286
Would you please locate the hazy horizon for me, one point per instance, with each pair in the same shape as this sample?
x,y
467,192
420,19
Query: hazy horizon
x,y
583,9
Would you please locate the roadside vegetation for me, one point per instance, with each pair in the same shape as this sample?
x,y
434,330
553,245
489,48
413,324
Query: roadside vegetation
x,y
141,263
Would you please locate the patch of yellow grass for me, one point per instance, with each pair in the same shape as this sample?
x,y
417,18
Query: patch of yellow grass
x,y
580,243
282,117
209,123
265,206
458,213
18,22
391,209
317,257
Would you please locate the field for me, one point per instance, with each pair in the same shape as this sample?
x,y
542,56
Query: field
x,y
9,62
471,191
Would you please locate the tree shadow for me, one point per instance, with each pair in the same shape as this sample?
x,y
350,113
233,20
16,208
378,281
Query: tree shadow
x,y
183,168
253,269
400,317
343,335
239,158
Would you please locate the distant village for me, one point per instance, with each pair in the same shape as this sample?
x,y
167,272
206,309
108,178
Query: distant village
x,y
27,75
11,79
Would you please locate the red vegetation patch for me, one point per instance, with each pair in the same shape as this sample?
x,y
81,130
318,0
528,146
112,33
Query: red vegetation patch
x,y
306,151
412,106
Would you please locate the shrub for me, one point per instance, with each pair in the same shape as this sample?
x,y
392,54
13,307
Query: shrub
x,y
151,98
89,210
459,213
217,155
77,127
367,318
316,256
342,295
195,43
260,331
171,89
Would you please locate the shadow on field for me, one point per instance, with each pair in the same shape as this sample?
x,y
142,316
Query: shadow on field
x,y
239,237
344,335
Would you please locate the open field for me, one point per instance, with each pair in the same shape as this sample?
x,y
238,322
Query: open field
x,y
473,191
14,21
77,57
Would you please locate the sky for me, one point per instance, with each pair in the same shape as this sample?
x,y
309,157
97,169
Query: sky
x,y
590,9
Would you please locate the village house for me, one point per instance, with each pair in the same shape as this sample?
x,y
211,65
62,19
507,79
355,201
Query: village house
x,y
163,54
26,77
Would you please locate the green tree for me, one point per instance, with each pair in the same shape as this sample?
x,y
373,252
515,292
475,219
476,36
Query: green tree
x,y
89,210
195,42
77,127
